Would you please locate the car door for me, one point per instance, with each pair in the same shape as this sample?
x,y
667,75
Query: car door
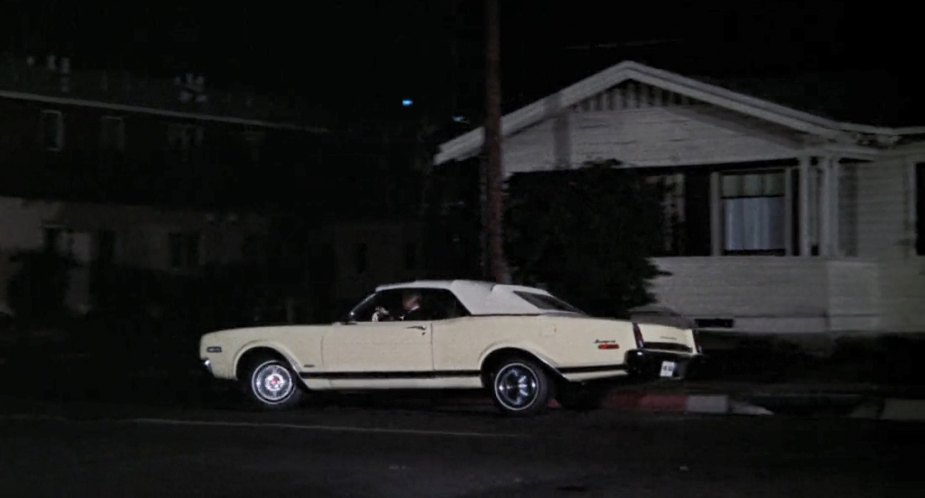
x,y
379,348
390,353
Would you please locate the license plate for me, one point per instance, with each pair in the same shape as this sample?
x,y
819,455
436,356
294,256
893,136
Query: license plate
x,y
667,369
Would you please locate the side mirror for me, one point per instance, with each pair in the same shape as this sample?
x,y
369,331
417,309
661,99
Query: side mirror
x,y
348,319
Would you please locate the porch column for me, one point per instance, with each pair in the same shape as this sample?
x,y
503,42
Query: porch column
x,y
716,215
825,207
804,205
834,213
789,249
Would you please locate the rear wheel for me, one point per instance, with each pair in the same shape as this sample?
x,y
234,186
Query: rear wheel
x,y
270,384
519,386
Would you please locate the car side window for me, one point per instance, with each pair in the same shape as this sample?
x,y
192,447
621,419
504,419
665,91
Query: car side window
x,y
443,305
388,305
389,300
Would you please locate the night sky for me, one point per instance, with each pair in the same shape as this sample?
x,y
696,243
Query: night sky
x,y
364,56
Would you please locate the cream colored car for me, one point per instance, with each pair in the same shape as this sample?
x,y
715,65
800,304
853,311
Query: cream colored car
x,y
522,344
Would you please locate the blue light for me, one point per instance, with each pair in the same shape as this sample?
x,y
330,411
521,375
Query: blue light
x,y
406,102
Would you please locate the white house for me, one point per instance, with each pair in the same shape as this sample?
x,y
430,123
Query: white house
x,y
792,221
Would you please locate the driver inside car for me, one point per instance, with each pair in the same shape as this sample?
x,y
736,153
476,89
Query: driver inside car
x,y
411,304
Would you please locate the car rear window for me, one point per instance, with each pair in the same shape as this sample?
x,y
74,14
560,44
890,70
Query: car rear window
x,y
547,302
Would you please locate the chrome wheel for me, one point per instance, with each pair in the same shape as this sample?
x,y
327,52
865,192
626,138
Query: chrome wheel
x,y
272,382
516,386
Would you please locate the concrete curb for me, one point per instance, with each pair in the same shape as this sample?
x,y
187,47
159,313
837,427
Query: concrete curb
x,y
900,409
681,403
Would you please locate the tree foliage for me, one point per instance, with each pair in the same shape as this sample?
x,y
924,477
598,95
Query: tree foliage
x,y
586,234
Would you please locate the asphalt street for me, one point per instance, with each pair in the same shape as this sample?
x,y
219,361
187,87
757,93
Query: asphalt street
x,y
400,450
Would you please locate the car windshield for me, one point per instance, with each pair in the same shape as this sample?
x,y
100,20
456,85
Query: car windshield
x,y
547,302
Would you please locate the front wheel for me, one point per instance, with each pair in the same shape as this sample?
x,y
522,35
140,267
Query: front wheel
x,y
520,387
271,385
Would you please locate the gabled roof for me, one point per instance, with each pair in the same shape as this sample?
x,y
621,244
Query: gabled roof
x,y
874,97
469,143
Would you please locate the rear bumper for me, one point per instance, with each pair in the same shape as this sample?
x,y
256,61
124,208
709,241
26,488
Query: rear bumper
x,y
654,365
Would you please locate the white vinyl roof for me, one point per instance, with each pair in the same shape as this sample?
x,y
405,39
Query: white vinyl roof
x,y
480,297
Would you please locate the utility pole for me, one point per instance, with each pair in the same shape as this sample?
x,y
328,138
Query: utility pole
x,y
493,176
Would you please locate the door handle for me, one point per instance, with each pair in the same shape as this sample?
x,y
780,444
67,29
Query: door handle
x,y
417,327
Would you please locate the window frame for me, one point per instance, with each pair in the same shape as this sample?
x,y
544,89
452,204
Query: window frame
x,y
918,207
59,131
113,145
782,196
385,296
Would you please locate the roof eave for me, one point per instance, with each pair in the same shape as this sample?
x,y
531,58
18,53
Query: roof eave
x,y
469,143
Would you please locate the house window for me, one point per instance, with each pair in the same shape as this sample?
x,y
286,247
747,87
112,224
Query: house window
x,y
53,130
672,191
920,208
360,261
112,133
184,249
753,212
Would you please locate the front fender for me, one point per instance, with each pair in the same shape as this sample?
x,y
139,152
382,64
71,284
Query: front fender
x,y
268,344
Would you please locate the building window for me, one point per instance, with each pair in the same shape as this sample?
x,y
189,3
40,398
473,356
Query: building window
x,y
920,209
112,133
58,240
184,140
52,238
360,261
255,141
252,248
753,213
53,130
184,249
105,247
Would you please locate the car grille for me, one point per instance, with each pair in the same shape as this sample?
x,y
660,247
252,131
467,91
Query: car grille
x,y
668,346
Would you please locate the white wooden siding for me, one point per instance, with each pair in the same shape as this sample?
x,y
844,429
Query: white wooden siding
x,y
902,287
649,136
854,296
882,210
773,294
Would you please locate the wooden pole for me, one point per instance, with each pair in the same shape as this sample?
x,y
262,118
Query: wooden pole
x,y
493,176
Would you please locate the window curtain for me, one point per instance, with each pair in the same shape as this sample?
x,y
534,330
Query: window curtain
x,y
754,223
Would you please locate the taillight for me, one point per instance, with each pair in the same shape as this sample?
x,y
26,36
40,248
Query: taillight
x,y
638,335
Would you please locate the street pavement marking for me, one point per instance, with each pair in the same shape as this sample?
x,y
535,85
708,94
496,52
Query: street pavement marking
x,y
331,428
